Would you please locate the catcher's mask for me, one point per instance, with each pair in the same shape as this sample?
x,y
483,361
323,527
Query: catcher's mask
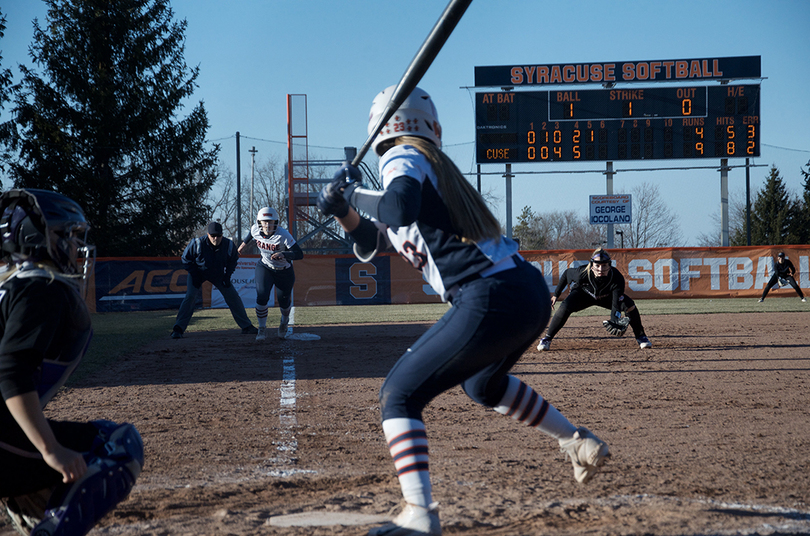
x,y
600,256
40,225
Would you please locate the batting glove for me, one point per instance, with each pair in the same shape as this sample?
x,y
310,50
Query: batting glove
x,y
331,202
335,197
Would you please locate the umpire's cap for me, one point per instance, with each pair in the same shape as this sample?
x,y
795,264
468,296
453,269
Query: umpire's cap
x,y
215,228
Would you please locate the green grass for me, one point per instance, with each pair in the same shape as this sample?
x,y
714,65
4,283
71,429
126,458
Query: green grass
x,y
119,333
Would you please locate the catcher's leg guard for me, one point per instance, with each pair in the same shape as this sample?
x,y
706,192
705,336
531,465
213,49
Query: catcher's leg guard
x,y
112,469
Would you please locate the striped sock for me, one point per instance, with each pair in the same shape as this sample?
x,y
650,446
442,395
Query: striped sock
x,y
523,404
407,442
261,315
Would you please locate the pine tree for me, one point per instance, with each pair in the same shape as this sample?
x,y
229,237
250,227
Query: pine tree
x,y
772,213
6,127
100,125
527,232
802,223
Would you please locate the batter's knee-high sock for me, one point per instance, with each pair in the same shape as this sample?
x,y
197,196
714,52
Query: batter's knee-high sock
x,y
407,442
524,404
261,315
286,312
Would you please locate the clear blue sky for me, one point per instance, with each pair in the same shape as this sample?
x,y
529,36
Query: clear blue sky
x,y
251,54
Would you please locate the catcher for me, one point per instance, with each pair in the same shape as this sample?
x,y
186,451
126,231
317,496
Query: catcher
x,y
57,478
600,284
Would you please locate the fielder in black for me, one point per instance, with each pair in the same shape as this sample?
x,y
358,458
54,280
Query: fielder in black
x,y
600,284
440,225
56,477
783,271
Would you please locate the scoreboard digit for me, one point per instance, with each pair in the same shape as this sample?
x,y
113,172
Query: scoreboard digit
x,y
618,124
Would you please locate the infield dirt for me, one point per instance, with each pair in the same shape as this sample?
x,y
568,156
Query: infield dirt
x,y
708,432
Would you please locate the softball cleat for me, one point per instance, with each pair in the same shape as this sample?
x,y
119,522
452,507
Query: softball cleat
x,y
282,327
587,453
644,342
545,344
260,336
412,521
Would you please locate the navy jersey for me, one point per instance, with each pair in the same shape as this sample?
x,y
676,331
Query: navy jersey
x,y
46,329
212,262
431,243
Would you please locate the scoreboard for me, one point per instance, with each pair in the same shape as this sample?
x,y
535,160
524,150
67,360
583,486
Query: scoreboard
x,y
617,124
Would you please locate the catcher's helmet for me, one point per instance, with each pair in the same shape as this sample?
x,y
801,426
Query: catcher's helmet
x,y
41,225
416,116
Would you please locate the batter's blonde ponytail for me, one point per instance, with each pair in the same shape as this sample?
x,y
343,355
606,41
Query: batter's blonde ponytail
x,y
468,210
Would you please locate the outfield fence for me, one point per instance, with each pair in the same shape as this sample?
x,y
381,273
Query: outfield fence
x,y
149,283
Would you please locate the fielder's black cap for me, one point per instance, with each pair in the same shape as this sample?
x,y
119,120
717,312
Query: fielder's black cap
x,y
781,254
215,228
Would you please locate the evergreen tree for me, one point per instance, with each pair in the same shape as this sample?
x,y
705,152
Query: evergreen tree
x,y
526,231
6,127
772,213
101,124
802,223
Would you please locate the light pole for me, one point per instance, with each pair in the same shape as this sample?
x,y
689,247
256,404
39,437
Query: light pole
x,y
621,234
252,152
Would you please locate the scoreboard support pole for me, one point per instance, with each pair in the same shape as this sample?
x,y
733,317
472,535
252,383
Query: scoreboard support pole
x,y
508,176
724,201
609,191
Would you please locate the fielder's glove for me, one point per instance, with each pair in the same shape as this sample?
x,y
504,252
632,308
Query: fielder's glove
x,y
616,327
334,198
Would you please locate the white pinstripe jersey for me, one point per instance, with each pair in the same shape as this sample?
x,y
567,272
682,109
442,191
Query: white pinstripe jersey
x,y
281,240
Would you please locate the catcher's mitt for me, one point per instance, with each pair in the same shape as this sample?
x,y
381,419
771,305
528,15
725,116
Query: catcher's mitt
x,y
616,327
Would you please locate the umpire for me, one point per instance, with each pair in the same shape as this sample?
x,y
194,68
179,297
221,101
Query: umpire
x,y
211,258
783,271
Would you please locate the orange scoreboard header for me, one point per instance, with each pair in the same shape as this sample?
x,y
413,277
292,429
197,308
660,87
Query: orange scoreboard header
x,y
677,70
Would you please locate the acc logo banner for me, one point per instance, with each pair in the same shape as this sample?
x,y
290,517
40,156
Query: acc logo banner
x,y
363,283
140,285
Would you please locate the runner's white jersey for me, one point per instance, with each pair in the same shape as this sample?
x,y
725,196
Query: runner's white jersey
x,y
281,240
431,244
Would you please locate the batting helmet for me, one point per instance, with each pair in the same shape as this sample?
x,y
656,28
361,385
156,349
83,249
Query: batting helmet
x,y
42,225
415,117
267,214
